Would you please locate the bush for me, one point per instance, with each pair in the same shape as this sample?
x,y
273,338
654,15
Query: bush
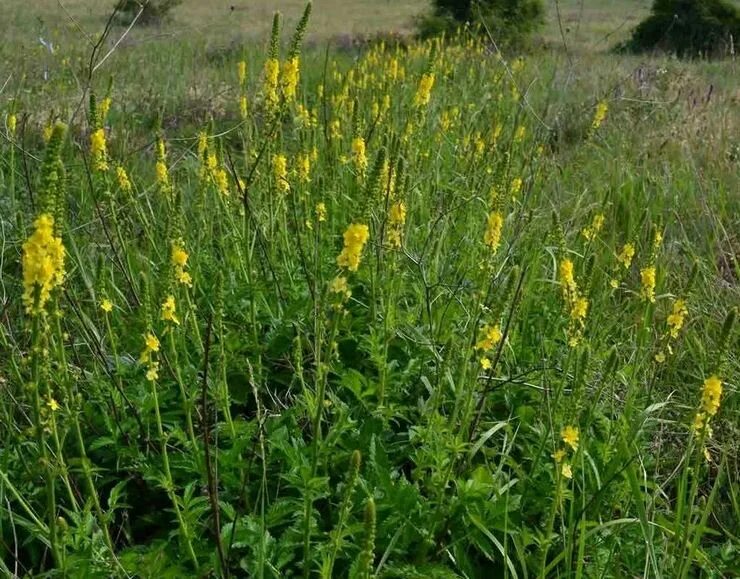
x,y
509,21
153,12
688,28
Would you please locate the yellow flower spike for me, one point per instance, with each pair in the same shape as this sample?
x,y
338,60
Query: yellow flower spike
x,y
241,72
567,471
424,90
491,337
168,310
355,238
492,236
711,395
359,156
124,183
599,115
676,319
99,150
12,122
396,222
106,305
280,173
289,80
270,84
626,255
321,212
151,346
43,264
647,279
152,373
303,167
570,436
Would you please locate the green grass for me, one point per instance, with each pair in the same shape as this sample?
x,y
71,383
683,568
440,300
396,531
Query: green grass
x,y
291,429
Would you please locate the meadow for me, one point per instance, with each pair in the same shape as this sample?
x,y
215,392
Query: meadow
x,y
302,296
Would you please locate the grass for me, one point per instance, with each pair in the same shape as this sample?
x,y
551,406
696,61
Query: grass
x,y
372,328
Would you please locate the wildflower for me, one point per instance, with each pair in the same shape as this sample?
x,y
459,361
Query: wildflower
x,y
599,115
396,221
241,72
492,237
339,286
335,129
485,363
151,346
321,212
660,357
592,231
614,283
711,394
280,173
124,183
243,107
676,318
179,260
106,305
491,337
303,167
515,187
270,86
647,278
559,455
152,373
566,275
52,404
567,471
168,310
98,150
359,156
12,122
625,256
580,308
570,436
290,73
355,238
424,90
43,264
103,108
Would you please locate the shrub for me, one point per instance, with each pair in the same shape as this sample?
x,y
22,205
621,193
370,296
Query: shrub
x,y
688,27
152,12
509,21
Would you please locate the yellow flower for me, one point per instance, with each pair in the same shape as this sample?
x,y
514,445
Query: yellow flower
x,y
424,90
359,157
163,175
559,455
660,357
303,167
625,256
168,310
123,181
335,129
515,187
241,72
519,134
106,305
52,404
12,122
579,308
179,260
321,212
270,86
597,224
243,107
570,436
355,238
339,286
280,173
290,74
98,150
599,115
103,108
647,278
485,363
43,264
151,346
492,237
152,373
491,337
614,283
396,222
676,318
566,275
567,471
711,394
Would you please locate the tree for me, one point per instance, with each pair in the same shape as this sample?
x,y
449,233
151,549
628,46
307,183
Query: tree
x,y
688,27
509,21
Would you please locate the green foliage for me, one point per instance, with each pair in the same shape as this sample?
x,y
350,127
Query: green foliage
x,y
510,22
688,28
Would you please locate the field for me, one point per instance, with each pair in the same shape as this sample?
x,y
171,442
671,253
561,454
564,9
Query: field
x,y
356,305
